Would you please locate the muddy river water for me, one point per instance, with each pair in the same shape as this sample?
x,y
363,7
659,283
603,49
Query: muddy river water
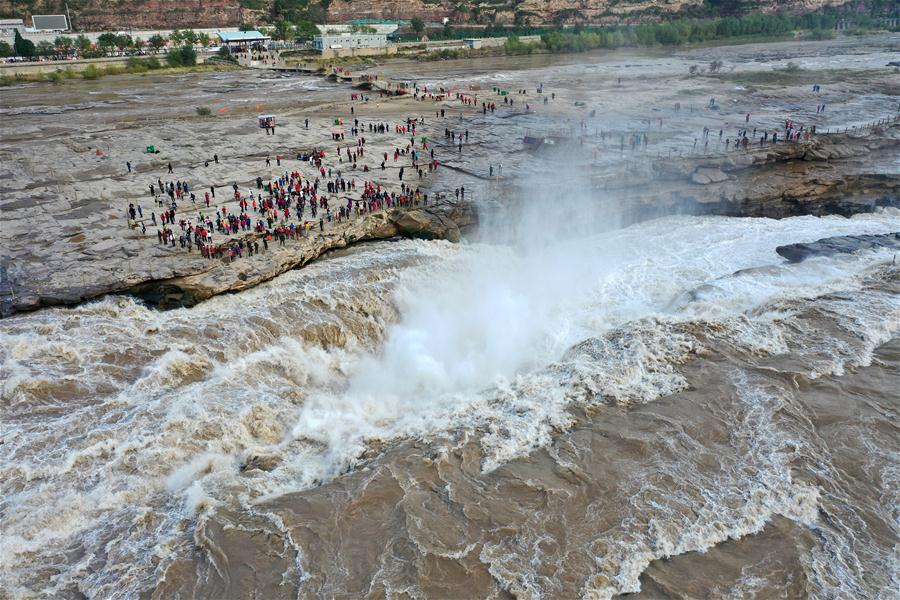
x,y
549,409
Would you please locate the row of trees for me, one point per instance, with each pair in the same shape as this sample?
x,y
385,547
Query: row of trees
x,y
106,42
682,32
290,30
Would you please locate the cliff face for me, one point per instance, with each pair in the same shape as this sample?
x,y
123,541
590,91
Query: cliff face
x,y
506,11
167,14
551,11
122,15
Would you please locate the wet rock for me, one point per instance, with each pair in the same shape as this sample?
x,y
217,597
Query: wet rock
x,y
261,462
705,176
426,224
844,244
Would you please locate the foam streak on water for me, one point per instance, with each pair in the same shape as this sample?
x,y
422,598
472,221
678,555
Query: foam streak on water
x,y
122,425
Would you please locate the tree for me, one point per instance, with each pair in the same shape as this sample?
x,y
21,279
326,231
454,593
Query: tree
x,y
246,27
176,37
157,41
283,30
189,36
203,38
106,40
64,44
45,48
188,56
22,46
5,49
82,43
182,57
124,41
306,30
418,25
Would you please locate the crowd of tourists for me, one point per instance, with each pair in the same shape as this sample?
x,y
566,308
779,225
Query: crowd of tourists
x,y
296,204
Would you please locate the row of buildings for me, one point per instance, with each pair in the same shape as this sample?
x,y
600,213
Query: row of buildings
x,y
356,38
334,38
329,45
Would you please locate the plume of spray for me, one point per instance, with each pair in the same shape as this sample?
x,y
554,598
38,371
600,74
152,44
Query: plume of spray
x,y
497,310
496,307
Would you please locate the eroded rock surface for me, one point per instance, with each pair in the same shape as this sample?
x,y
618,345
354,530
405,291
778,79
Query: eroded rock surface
x,y
424,223
844,244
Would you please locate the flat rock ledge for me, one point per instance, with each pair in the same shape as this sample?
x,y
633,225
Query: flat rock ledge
x,y
843,244
197,279
421,223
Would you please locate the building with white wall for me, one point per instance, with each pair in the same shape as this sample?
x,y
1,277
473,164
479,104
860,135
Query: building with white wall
x,y
11,26
350,41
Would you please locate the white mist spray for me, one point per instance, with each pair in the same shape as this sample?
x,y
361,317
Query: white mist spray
x,y
492,310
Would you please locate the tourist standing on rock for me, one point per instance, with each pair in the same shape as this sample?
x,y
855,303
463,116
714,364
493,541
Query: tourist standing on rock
x,y
128,164
170,167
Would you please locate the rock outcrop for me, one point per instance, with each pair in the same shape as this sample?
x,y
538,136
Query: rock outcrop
x,y
422,223
199,279
830,174
844,244
124,15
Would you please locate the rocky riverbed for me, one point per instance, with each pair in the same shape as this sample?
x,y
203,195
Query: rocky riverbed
x,y
65,187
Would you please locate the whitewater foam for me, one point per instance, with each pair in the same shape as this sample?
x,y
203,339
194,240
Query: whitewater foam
x,y
446,337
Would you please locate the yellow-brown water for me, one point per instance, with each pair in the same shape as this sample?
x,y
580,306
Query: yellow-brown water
x,y
418,419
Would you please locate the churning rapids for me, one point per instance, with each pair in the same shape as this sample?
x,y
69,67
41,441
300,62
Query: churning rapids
x,y
544,418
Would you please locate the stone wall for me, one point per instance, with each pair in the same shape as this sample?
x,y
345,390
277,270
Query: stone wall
x,y
353,52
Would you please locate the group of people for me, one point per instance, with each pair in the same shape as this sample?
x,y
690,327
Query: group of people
x,y
287,207
293,204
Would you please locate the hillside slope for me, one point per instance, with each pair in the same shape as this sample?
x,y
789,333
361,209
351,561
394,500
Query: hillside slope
x,y
148,14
